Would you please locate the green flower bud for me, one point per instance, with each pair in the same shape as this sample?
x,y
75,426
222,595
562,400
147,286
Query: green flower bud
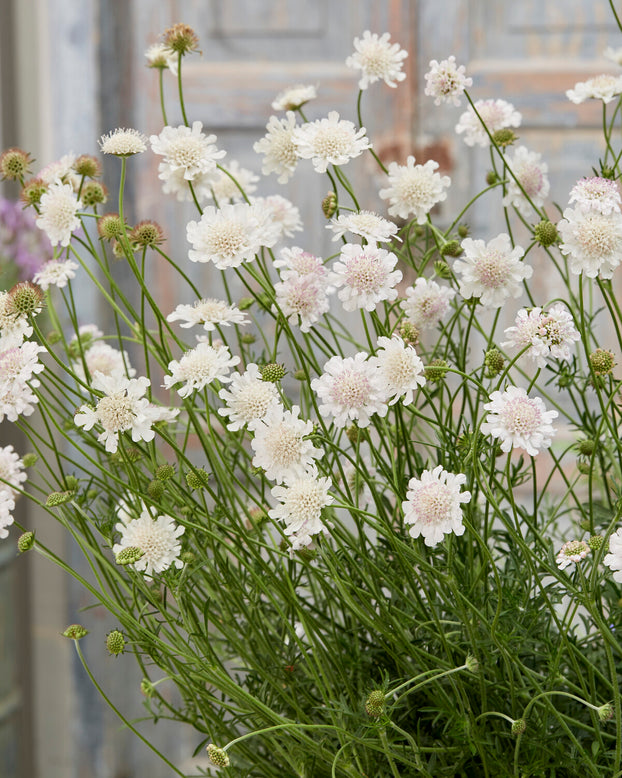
x,y
33,191
75,632
374,705
71,482
188,557
504,137
436,370
88,166
272,372
25,299
197,479
247,338
491,178
494,362
25,542
453,248
93,193
217,756
463,230
409,333
58,498
300,375
14,164
587,447
605,712
245,303
115,642
155,490
28,460
53,337
110,226
602,361
146,687
595,542
519,726
164,472
545,233
129,555
472,664
329,205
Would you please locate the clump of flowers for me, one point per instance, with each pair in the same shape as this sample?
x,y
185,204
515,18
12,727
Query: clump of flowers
x,y
322,461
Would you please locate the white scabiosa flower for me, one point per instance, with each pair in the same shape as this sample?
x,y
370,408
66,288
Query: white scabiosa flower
x,y
294,97
7,505
301,501
278,148
377,59
13,329
123,142
55,272
400,369
367,224
329,141
427,303
492,271
199,367
299,261
232,182
160,56
228,236
285,216
302,299
571,552
248,398
596,194
531,174
592,241
281,444
604,87
61,170
57,213
157,538
16,399
519,421
613,55
495,114
543,334
366,276
446,81
210,313
123,408
188,153
350,389
105,359
12,474
414,189
613,559
433,505
21,363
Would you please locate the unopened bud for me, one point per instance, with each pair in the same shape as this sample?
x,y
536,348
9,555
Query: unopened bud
x,y
75,632
115,642
374,705
217,756
25,542
329,204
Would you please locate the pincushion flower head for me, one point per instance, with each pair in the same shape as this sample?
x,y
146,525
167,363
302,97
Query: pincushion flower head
x,y
123,142
248,398
188,153
414,189
278,147
105,359
7,504
604,87
296,260
613,559
492,271
433,505
495,114
367,224
294,97
446,81
229,235
427,303
572,551
543,334
596,194
377,59
210,313
281,444
329,141
123,408
12,474
160,56
301,501
519,421
282,213
399,368
58,213
232,182
55,272
20,363
592,241
530,173
366,276
156,536
302,299
351,389
199,367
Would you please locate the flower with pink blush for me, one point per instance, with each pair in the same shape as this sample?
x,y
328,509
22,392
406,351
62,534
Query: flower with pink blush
x,y
530,173
414,189
592,241
492,271
495,114
427,303
446,81
400,369
572,551
604,87
543,334
351,389
366,276
519,421
377,59
302,299
596,194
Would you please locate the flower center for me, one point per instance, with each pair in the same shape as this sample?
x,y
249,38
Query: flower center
x,y
331,142
491,269
597,237
227,239
350,389
531,179
415,188
432,503
521,416
284,445
116,412
305,501
186,151
364,273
